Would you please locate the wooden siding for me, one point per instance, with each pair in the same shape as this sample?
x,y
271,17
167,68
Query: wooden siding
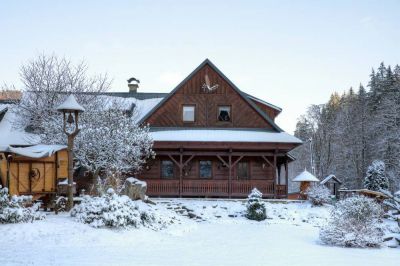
x,y
191,93
48,169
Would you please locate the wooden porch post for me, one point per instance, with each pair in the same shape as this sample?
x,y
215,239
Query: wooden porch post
x,y
230,175
275,186
180,172
286,177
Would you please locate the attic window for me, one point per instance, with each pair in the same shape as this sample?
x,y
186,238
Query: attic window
x,y
188,113
224,113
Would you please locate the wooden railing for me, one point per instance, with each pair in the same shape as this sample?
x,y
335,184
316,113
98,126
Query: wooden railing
x,y
243,187
205,188
213,188
162,187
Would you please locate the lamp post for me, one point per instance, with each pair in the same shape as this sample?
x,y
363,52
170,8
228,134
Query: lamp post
x,y
70,109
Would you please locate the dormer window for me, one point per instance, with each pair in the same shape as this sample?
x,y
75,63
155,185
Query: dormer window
x,y
188,113
224,113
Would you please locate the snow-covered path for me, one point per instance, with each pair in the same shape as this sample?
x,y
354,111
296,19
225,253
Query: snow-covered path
x,y
59,240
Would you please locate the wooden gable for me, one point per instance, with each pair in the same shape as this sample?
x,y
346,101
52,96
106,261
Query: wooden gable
x,y
244,112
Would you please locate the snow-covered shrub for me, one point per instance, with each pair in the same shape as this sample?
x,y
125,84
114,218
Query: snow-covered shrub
x,y
255,206
112,210
354,222
318,194
376,178
12,209
393,202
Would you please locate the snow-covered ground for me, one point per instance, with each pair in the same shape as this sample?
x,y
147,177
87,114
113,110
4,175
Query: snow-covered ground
x,y
217,234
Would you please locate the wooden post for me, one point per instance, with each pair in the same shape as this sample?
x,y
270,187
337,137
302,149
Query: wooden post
x,y
70,172
230,175
286,177
275,186
180,172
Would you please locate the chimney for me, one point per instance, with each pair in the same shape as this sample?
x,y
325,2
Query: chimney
x,y
133,85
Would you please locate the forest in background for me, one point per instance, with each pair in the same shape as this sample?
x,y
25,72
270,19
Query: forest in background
x,y
353,129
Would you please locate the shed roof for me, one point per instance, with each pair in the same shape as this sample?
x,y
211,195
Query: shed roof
x,y
331,177
305,176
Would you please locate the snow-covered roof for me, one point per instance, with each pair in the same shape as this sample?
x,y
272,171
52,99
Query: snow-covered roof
x,y
37,151
11,136
70,104
329,177
141,107
223,135
305,176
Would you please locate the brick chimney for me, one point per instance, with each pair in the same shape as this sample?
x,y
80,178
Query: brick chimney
x,y
133,85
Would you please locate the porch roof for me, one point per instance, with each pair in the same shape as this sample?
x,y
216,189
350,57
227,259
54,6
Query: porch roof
x,y
221,135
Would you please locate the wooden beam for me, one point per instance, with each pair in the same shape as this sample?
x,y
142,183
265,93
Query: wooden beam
x,y
268,161
180,174
230,176
188,160
172,158
220,153
237,160
222,160
287,177
275,187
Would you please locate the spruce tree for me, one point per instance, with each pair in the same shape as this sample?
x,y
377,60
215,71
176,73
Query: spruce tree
x,y
376,178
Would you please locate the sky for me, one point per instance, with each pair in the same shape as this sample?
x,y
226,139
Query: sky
x,y
289,53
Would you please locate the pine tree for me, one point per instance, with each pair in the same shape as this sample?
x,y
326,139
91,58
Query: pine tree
x,y
255,206
376,177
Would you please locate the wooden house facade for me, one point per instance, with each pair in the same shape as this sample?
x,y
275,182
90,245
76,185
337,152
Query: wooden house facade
x,y
213,140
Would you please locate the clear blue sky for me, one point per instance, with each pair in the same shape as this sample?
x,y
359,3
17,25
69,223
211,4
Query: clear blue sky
x,y
290,53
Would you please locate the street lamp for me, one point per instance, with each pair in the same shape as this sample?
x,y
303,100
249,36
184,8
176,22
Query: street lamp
x,y
70,109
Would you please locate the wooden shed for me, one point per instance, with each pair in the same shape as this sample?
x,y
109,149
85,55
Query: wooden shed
x,y
34,170
333,184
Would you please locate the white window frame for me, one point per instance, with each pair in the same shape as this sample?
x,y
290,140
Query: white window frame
x,y
186,116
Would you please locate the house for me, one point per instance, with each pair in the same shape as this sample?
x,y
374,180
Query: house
x,y
213,140
210,138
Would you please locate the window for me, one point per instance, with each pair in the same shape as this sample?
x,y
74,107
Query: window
x,y
224,113
243,170
205,169
167,169
188,113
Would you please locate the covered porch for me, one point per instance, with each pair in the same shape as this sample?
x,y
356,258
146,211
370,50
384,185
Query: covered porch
x,y
266,170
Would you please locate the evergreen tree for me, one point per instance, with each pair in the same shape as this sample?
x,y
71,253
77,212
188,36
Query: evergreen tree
x,y
376,177
255,206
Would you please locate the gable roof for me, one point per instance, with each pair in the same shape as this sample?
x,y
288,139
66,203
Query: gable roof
x,y
264,115
329,177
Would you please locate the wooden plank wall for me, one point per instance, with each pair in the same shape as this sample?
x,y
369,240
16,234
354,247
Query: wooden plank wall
x,y
191,93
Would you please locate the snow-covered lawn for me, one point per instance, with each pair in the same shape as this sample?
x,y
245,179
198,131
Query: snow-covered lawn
x,y
217,235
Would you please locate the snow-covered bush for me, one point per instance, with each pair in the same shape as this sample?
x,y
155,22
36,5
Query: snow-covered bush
x,y
12,209
393,202
255,206
376,178
318,194
112,210
354,222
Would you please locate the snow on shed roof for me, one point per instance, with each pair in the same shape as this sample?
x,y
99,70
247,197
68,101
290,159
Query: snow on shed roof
x,y
11,136
305,176
329,177
70,104
37,151
222,135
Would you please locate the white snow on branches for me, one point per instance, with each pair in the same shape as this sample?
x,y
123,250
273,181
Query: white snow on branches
x,y
112,210
354,222
12,209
